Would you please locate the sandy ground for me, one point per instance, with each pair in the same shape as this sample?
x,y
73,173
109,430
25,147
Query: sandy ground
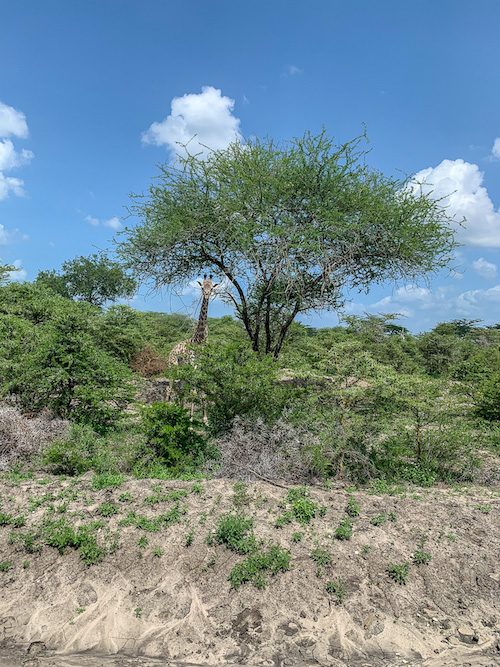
x,y
135,608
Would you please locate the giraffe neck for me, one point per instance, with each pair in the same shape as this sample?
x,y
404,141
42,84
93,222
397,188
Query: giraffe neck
x,y
201,332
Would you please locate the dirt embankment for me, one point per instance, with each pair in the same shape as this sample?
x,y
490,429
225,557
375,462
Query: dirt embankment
x,y
160,594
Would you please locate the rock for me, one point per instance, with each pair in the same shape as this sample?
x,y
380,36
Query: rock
x,y
467,635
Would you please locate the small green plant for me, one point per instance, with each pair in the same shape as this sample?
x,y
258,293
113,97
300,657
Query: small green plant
x,y
142,542
203,518
198,488
365,550
240,494
392,516
337,589
399,572
138,612
188,540
378,520
485,509
25,564
107,480
108,509
157,552
300,508
125,498
80,610
352,509
320,556
234,530
296,537
255,567
211,563
344,529
5,566
421,557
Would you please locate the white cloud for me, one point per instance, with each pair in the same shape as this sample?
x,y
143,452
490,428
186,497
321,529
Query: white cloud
x,y
495,151
12,122
113,223
20,274
10,158
485,269
207,116
93,221
459,183
7,237
479,302
9,184
293,69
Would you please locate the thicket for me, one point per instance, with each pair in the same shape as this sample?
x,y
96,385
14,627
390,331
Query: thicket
x,y
364,400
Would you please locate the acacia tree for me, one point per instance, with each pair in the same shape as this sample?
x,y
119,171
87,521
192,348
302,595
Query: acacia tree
x,y
291,226
95,279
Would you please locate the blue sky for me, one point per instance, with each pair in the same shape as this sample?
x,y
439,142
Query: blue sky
x,y
94,94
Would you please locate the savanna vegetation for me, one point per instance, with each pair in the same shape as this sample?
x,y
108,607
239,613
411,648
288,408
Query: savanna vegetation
x,y
287,229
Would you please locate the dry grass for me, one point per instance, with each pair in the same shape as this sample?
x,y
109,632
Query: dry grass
x,y
23,436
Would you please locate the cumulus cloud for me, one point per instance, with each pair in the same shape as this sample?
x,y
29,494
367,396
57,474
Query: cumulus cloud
x,y
204,119
459,184
495,151
485,269
20,274
93,221
479,302
112,223
12,122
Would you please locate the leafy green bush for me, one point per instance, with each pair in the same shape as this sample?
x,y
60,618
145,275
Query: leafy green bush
x,y
72,455
255,566
172,435
488,399
233,381
234,530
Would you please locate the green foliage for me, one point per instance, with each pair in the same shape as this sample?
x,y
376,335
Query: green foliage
x,y
290,225
234,530
57,365
107,480
344,529
379,520
172,435
233,381
421,557
337,589
73,454
300,508
255,567
320,556
487,399
94,279
399,573
352,509
108,509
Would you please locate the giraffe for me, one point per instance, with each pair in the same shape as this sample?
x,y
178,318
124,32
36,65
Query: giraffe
x,y
182,353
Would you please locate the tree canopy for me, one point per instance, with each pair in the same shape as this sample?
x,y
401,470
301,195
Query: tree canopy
x,y
95,279
291,227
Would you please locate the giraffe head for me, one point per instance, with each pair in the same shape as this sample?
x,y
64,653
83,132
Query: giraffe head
x,y
207,286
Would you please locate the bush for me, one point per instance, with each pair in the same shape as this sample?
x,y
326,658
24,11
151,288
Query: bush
x,y
488,399
61,368
234,382
171,434
275,451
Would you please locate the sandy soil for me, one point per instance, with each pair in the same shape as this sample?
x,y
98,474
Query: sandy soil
x,y
135,608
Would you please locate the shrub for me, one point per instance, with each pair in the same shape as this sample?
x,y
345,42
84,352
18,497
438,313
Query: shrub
x,y
234,530
255,566
488,399
73,454
171,433
234,382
